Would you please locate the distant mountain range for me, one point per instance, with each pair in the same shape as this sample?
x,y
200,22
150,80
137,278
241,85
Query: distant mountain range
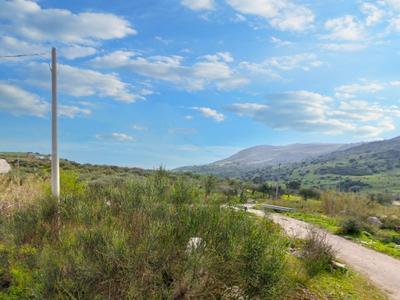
x,y
371,165
265,156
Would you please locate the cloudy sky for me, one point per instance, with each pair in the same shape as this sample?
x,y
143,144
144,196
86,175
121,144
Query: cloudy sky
x,y
178,82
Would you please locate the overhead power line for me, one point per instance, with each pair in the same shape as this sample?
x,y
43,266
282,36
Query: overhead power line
x,y
22,55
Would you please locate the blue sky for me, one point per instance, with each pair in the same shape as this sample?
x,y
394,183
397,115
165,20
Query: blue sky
x,y
181,82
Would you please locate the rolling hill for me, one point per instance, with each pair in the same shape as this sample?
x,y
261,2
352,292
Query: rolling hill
x,y
264,156
368,166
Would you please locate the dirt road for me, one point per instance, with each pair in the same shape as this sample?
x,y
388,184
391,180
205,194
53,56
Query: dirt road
x,y
381,269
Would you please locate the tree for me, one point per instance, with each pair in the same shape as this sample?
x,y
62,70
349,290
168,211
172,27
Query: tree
x,y
209,184
309,193
266,189
294,185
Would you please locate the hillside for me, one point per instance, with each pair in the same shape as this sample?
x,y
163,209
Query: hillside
x,y
367,166
40,164
263,156
152,235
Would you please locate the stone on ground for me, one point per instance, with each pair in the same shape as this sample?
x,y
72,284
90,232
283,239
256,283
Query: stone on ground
x,y
4,166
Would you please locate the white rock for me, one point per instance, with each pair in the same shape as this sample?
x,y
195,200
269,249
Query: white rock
x,y
338,265
193,244
374,221
4,166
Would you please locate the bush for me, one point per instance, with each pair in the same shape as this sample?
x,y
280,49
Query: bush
x,y
351,226
343,204
309,193
317,253
129,240
391,222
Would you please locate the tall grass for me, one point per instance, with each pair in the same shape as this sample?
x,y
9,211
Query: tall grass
x,y
128,240
16,191
349,204
356,206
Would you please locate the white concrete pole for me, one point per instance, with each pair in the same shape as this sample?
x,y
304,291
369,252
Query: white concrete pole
x,y
55,164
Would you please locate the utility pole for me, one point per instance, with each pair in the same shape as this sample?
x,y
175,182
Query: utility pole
x,y
55,163
277,183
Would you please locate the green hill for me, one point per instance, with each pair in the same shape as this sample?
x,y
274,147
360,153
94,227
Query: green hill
x,y
367,166
370,166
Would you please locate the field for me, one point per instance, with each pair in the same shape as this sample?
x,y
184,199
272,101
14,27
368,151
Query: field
x,y
118,233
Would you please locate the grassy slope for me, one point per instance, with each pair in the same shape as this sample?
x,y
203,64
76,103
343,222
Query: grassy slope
x,y
113,232
374,166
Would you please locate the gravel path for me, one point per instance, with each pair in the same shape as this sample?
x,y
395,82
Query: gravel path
x,y
381,269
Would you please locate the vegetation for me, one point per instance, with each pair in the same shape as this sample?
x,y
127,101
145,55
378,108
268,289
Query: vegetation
x,y
129,235
372,167
317,253
130,241
348,214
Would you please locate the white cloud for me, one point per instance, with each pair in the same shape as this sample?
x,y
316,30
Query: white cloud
x,y
188,117
374,13
394,24
395,4
13,46
280,43
225,56
210,113
248,108
364,111
198,4
345,47
394,83
117,136
27,19
293,18
122,137
163,40
281,14
304,61
79,82
139,127
71,111
76,51
238,18
351,90
312,112
210,70
273,65
346,28
17,101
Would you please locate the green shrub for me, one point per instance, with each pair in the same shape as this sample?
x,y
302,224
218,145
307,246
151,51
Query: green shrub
x,y
129,240
351,226
309,193
183,191
391,222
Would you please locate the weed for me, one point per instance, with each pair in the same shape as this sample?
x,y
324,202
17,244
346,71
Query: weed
x,y
317,253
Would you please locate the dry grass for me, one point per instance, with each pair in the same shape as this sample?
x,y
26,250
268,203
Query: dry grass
x,y
353,205
16,193
318,254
